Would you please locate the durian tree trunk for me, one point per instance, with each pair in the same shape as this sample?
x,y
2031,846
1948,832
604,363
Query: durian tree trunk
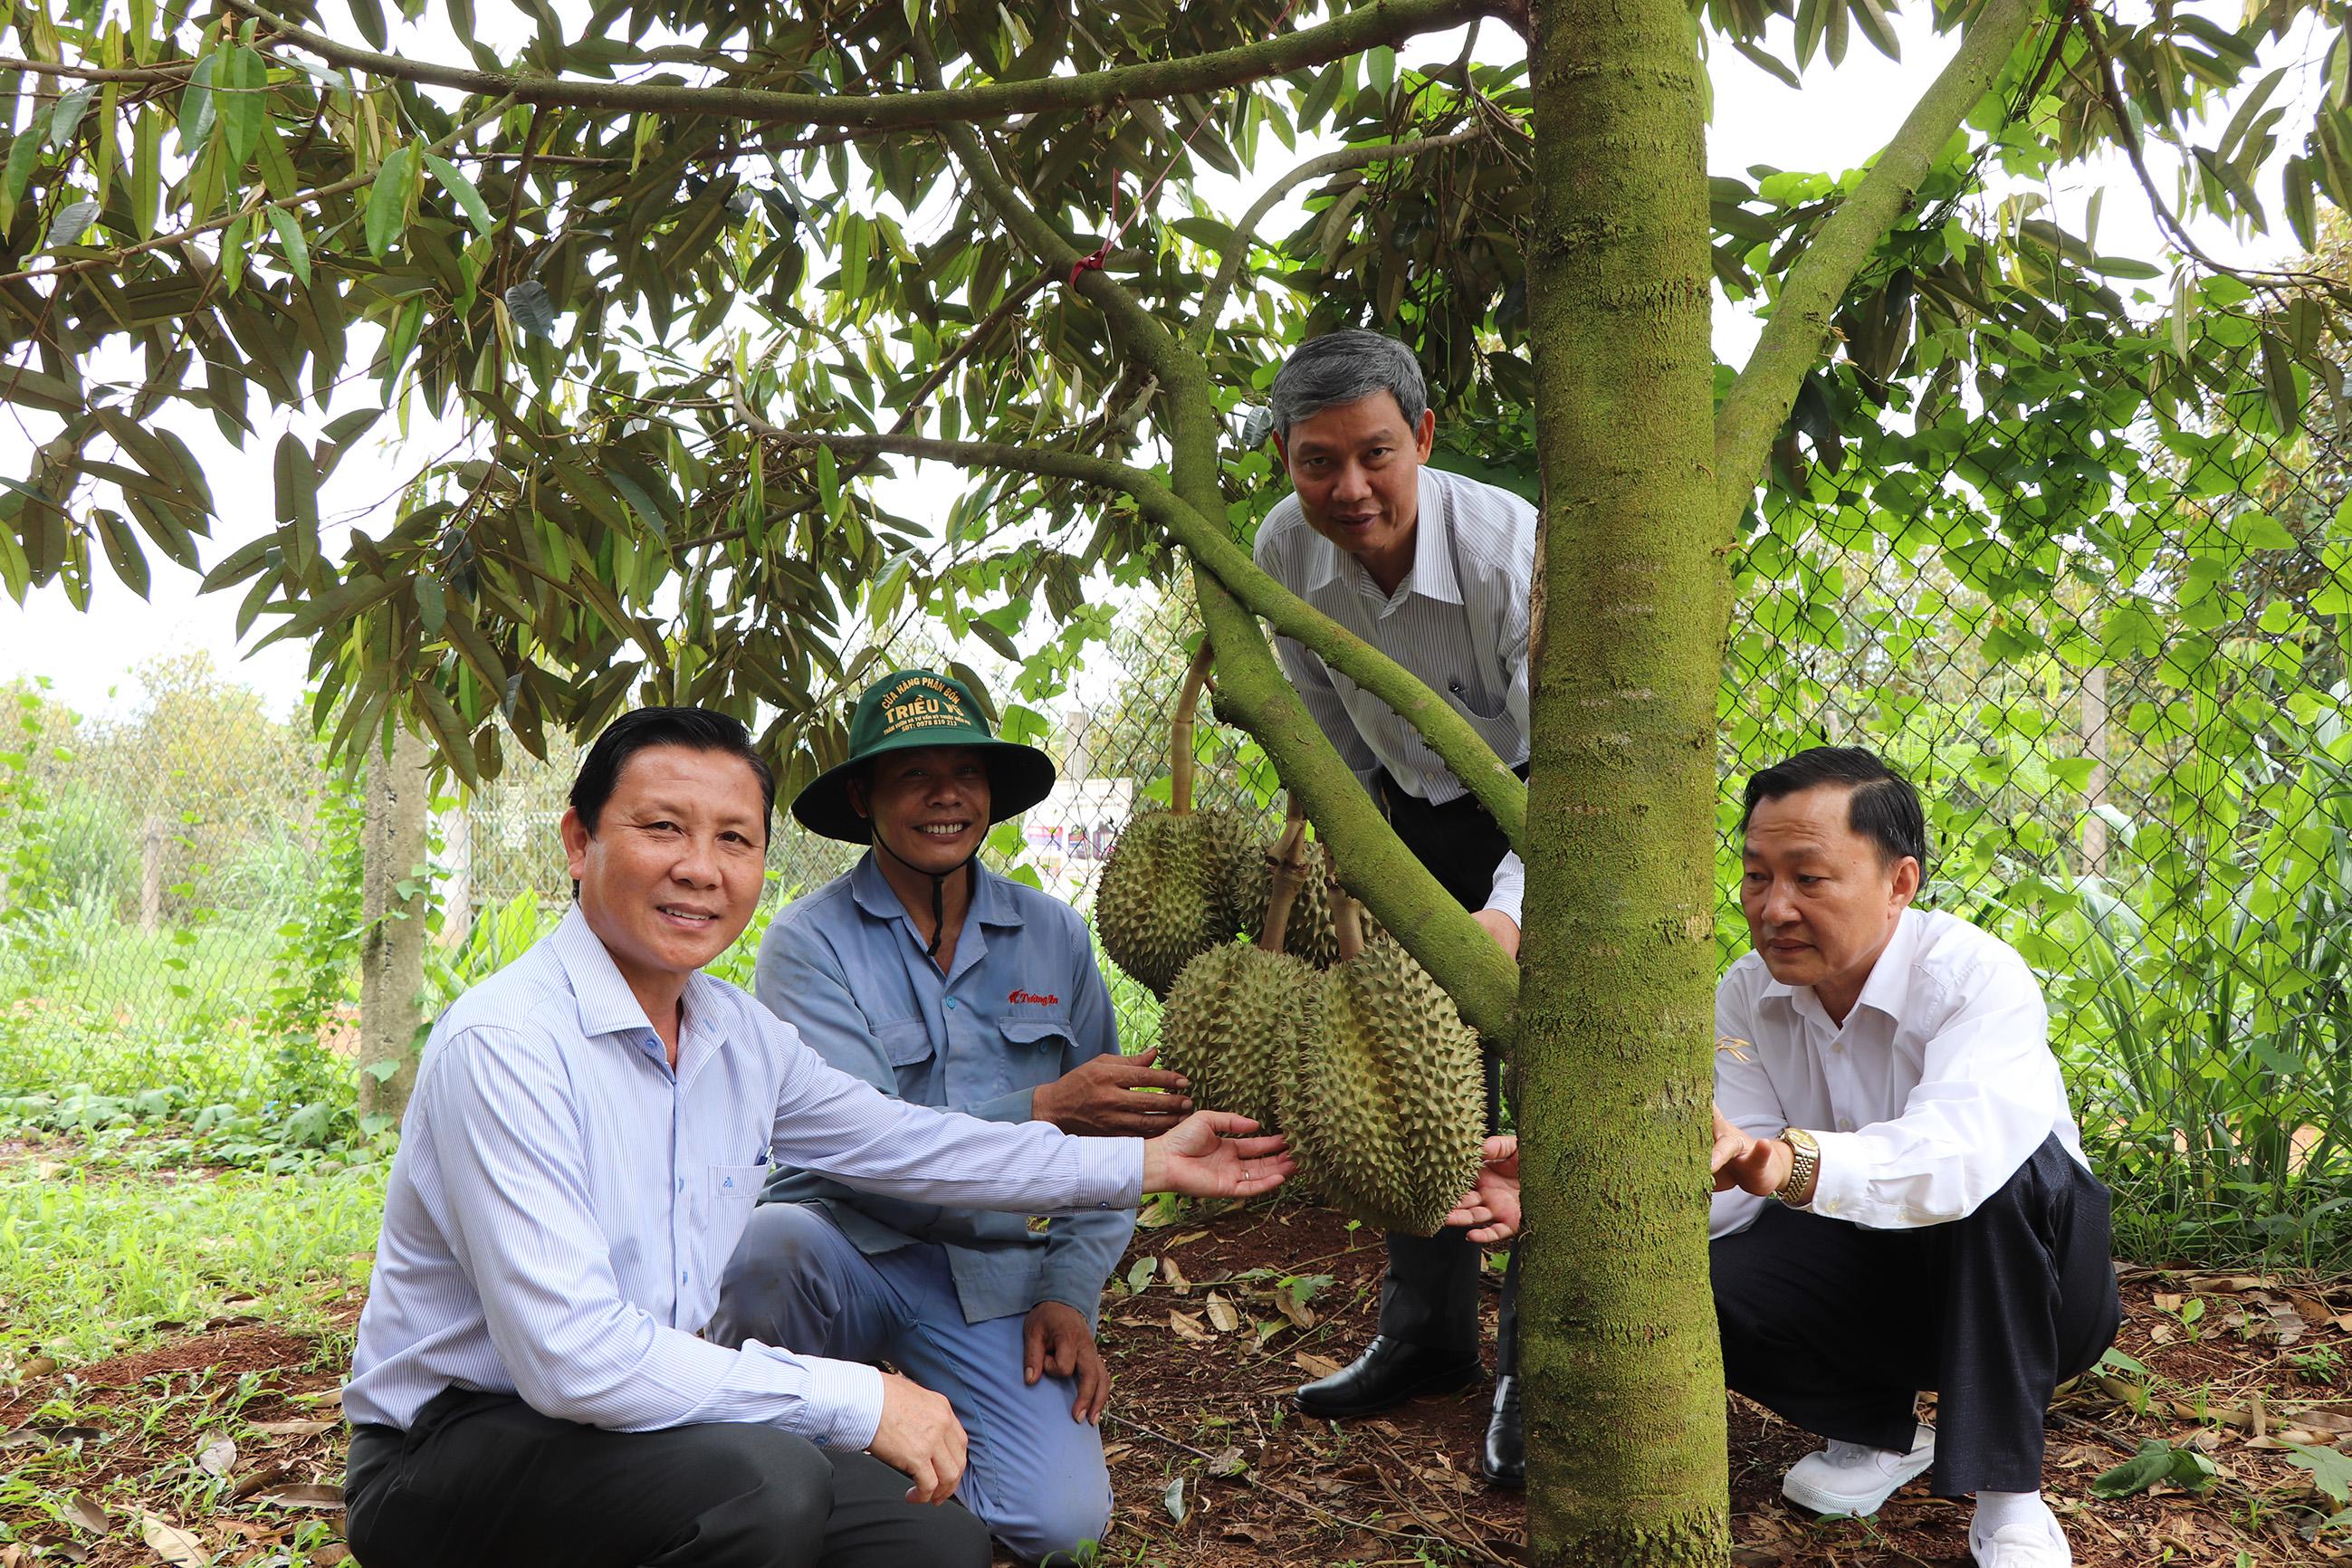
x,y
1611,1073
1644,483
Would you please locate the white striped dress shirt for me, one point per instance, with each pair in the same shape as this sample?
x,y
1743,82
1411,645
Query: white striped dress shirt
x,y
1459,620
564,1203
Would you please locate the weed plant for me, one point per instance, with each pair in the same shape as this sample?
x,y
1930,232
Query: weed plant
x,y
93,1261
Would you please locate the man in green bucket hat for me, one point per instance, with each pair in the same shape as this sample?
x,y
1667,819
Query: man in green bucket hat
x,y
943,983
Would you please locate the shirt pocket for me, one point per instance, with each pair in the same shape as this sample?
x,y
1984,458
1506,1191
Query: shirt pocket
x,y
904,1043
1475,698
732,1183
733,1191
1041,1033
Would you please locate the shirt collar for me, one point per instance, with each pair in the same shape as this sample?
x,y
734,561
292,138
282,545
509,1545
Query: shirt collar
x,y
1888,989
607,1006
1432,556
1432,541
993,902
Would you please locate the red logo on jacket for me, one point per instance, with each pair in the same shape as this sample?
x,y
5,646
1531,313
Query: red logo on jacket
x,y
1019,997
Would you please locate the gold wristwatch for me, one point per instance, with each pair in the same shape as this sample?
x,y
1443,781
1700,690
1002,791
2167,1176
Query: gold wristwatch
x,y
1803,1169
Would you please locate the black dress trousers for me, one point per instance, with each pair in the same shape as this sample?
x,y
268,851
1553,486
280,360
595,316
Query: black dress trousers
x,y
482,1480
1838,1328
1430,1294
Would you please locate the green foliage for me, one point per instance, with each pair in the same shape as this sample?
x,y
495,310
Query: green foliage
x,y
2158,1462
609,293
90,1264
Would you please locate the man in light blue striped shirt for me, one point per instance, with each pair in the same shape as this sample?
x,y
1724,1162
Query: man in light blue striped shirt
x,y
1434,569
589,1130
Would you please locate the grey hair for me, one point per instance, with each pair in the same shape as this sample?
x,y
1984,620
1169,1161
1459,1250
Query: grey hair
x,y
1344,367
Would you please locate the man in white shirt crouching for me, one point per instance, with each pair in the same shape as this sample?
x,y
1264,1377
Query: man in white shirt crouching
x,y
1902,1199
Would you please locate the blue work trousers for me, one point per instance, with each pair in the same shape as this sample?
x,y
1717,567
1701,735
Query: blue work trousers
x,y
1034,1475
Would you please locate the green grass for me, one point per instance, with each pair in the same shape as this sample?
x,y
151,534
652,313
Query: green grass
x,y
179,979
93,1261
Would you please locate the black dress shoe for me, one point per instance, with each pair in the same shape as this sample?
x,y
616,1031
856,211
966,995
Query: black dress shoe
x,y
1503,1460
1389,1372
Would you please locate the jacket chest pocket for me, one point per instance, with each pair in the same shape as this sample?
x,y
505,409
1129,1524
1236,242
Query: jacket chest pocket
x,y
1035,1049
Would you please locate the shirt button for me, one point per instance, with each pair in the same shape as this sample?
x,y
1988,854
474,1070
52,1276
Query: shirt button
x,y
1839,1049
1843,1125
950,1004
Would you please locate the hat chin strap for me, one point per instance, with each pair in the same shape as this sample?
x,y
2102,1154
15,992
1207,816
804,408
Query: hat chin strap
x,y
938,888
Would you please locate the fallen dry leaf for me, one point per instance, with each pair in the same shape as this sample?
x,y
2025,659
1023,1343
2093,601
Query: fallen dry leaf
x,y
218,1458
85,1511
180,1548
1222,1316
1174,1276
1315,1365
1188,1326
293,1429
2167,1300
1297,1312
1228,1461
2230,1284
308,1495
267,1476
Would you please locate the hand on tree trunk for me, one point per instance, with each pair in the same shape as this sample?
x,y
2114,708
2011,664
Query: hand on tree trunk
x,y
1755,1166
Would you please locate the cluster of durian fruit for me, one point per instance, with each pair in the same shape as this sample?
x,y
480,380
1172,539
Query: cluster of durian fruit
x,y
1315,1025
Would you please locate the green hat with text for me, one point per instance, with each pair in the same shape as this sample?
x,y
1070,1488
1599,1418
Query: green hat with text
x,y
914,708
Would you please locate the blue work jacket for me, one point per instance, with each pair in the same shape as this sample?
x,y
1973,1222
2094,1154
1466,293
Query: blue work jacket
x,y
1021,1004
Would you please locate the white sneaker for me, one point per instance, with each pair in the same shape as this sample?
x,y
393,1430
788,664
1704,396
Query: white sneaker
x,y
2035,1545
1846,1478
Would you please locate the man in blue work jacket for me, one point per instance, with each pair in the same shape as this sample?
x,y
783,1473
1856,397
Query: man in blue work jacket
x,y
944,984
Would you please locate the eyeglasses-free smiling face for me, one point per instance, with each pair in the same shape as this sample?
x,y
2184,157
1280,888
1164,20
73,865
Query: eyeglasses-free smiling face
x,y
1821,899
1356,469
929,804
670,874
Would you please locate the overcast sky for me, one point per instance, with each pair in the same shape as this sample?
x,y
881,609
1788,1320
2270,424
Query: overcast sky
x,y
1841,118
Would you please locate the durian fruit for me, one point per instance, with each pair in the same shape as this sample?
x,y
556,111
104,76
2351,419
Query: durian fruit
x,y
1236,1014
1165,894
1385,1101
1309,935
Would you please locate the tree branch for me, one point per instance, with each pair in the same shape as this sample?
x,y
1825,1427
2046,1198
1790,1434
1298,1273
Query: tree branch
x,y
167,76
1381,22
1401,891
1790,346
1449,735
299,198
1229,272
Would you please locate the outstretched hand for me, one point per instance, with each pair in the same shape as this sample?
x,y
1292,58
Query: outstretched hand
x,y
1209,1154
1112,1096
1490,1210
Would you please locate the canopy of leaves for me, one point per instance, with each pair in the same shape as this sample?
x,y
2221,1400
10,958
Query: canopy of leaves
x,y
641,306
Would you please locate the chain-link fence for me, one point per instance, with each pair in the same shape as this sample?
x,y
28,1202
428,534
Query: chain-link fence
x,y
2112,654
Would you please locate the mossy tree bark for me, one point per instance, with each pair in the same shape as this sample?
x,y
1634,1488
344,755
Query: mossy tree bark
x,y
1617,1339
396,895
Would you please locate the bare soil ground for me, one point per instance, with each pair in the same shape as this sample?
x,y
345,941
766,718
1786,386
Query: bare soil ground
x,y
224,1445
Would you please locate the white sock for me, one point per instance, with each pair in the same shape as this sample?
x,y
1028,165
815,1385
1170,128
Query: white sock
x,y
1996,1511
1843,1453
